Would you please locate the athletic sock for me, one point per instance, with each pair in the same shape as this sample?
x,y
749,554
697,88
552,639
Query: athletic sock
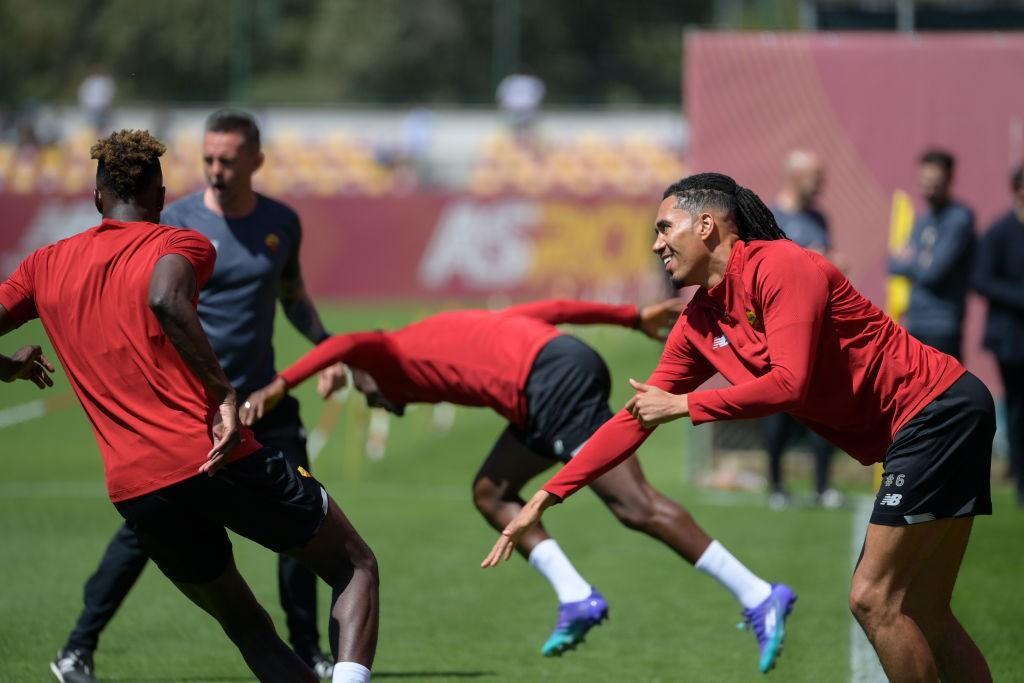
x,y
350,672
547,558
747,587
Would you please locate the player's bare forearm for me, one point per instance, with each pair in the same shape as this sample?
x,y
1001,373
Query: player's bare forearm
x,y
181,325
301,312
170,298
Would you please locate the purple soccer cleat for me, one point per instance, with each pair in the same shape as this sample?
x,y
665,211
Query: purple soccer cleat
x,y
768,621
574,620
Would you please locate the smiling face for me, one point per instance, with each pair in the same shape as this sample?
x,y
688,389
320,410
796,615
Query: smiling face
x,y
681,242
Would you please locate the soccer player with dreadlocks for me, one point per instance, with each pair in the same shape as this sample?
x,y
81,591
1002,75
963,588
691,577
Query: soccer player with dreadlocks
x,y
118,302
790,333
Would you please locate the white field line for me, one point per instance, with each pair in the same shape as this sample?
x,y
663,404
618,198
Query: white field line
x,y
22,413
864,665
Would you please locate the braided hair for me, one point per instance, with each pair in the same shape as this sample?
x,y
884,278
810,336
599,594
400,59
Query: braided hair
x,y
127,161
754,220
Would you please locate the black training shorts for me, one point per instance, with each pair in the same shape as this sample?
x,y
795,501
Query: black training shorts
x,y
261,497
566,398
939,464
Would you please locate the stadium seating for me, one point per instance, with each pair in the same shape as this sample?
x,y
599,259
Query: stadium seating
x,y
341,164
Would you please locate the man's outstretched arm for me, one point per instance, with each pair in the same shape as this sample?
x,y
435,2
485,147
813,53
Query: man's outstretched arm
x,y
654,320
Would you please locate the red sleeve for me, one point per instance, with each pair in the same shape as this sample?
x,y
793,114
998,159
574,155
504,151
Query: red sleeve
x,y
680,370
558,311
196,249
360,349
793,293
17,293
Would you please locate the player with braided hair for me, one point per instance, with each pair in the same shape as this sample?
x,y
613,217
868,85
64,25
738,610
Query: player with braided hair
x,y
790,333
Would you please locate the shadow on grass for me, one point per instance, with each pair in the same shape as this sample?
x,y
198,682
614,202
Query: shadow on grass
x,y
433,674
412,675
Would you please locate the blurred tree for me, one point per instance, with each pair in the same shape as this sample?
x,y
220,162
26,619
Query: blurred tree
x,y
345,51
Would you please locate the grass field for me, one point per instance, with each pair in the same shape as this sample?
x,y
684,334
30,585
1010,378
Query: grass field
x,y
442,617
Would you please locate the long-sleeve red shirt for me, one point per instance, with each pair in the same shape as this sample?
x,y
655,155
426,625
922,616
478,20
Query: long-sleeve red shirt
x,y
791,334
471,358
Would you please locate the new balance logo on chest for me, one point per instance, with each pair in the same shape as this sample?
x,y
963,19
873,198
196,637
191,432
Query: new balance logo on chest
x,y
719,342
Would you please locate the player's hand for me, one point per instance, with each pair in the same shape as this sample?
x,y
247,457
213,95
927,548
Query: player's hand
x,y
656,320
523,522
367,386
653,406
261,401
226,436
331,379
30,364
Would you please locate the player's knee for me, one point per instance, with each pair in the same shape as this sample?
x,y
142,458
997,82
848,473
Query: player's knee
x,y
368,565
364,561
868,602
486,496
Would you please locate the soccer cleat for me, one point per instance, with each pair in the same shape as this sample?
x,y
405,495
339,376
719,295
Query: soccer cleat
x,y
73,666
321,665
768,621
574,620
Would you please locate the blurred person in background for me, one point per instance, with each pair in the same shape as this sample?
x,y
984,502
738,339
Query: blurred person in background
x,y
257,241
938,258
95,97
999,277
797,213
520,95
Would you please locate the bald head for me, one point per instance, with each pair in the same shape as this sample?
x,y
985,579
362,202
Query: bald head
x,y
802,177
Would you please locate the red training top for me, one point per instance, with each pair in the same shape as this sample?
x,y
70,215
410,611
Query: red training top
x,y
790,332
150,414
471,358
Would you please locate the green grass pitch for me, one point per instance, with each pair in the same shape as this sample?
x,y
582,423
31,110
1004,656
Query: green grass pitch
x,y
444,619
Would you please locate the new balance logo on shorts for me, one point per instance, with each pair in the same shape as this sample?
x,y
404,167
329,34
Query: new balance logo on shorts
x,y
891,499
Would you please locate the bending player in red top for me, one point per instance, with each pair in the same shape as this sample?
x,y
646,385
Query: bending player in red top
x,y
118,302
791,334
553,389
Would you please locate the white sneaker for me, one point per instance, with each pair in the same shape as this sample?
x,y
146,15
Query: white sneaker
x,y
73,666
831,499
778,500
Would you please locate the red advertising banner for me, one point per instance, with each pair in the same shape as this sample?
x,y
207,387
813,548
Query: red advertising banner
x,y
424,246
869,104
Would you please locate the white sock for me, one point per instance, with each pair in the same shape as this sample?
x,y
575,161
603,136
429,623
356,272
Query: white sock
x,y
547,558
747,587
350,672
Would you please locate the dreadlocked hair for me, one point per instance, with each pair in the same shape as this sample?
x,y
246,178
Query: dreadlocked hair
x,y
127,161
754,220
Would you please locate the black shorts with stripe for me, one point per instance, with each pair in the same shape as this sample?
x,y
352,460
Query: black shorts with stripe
x,y
566,399
261,496
939,463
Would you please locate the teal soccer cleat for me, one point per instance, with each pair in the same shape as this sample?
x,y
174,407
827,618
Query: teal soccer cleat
x,y
768,622
575,619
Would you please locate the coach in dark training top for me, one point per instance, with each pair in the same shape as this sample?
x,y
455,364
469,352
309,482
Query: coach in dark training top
x,y
257,241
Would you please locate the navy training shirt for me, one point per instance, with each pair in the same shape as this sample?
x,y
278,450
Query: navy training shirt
x,y
942,243
238,304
